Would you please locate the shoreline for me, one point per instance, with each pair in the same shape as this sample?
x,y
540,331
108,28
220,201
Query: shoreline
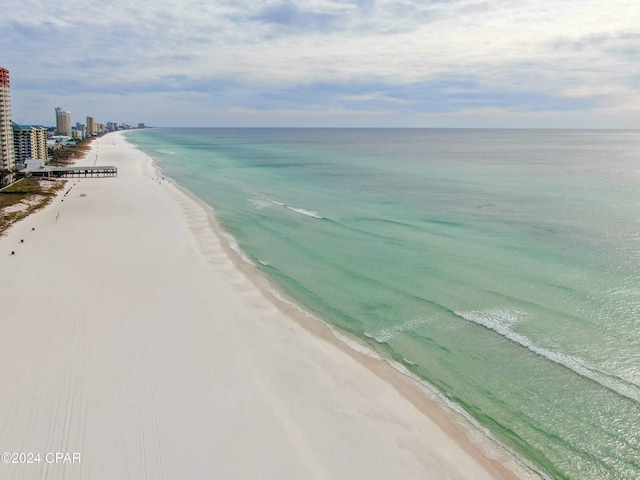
x,y
307,395
457,425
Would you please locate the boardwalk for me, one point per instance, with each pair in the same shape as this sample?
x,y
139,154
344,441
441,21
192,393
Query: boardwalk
x,y
93,171
58,172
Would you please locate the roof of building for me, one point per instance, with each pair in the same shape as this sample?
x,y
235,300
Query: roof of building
x,y
42,168
15,127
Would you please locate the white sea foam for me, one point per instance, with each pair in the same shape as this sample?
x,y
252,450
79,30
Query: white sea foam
x,y
233,244
264,262
409,362
274,202
502,321
386,334
499,320
258,203
308,213
302,211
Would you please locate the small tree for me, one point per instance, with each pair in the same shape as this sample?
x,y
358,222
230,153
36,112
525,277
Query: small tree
x,y
5,176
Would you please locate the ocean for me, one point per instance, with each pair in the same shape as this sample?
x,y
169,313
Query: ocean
x,y
500,267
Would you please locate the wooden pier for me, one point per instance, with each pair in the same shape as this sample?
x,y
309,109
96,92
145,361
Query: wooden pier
x,y
92,171
59,172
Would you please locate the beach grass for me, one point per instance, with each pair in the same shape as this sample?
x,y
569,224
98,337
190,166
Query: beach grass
x,y
25,197
68,154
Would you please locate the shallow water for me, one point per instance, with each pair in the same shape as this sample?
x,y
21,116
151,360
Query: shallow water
x,y
500,266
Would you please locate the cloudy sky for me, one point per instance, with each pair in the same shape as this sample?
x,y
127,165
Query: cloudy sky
x,y
396,63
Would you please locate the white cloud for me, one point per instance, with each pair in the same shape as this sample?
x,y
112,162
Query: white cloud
x,y
572,50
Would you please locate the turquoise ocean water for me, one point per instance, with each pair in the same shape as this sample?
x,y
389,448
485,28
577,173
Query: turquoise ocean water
x,y
502,267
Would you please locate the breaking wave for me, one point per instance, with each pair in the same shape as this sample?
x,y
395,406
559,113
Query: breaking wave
x,y
301,211
502,321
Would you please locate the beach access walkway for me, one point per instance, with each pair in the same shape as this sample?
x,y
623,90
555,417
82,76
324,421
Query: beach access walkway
x,y
85,171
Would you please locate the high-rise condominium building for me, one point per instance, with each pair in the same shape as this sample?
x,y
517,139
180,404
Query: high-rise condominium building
x,y
7,156
30,141
63,122
91,126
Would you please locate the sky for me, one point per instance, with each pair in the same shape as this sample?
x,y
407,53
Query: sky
x,y
326,63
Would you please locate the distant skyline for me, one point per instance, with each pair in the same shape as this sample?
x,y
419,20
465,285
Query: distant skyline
x,y
324,63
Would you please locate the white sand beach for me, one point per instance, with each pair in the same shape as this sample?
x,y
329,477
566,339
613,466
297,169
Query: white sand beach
x,y
130,338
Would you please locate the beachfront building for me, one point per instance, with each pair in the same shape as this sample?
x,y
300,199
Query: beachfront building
x,y
29,142
63,122
91,126
7,155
